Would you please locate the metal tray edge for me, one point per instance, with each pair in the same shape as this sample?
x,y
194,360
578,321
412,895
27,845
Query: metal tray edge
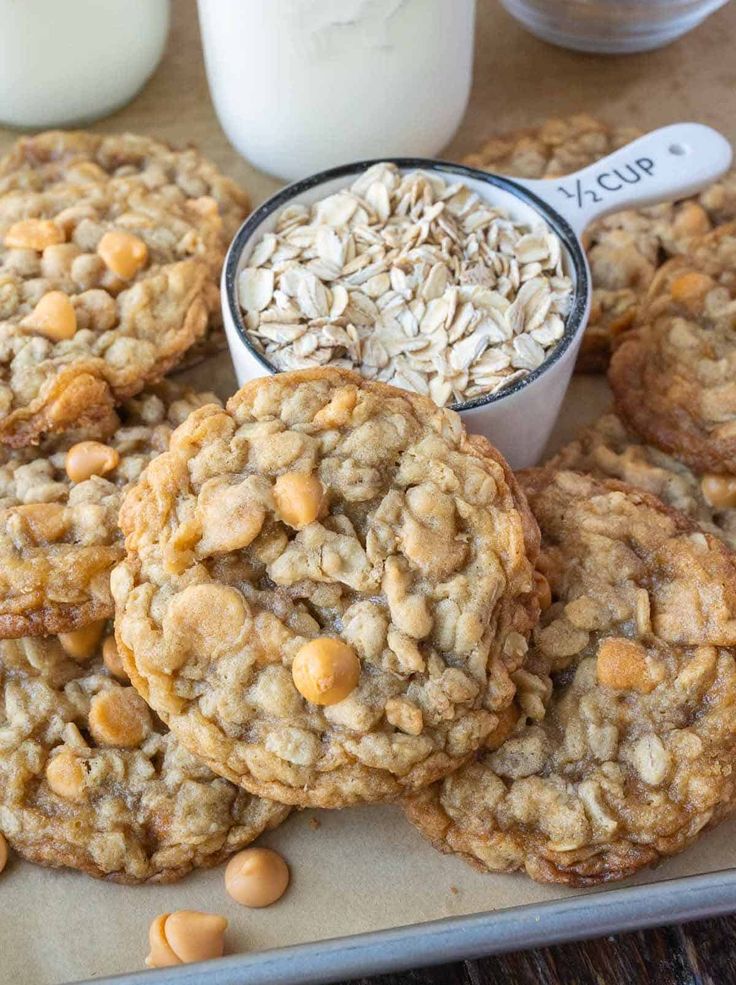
x,y
455,938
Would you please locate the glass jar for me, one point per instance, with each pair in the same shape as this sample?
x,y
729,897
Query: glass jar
x,y
65,62
300,85
611,26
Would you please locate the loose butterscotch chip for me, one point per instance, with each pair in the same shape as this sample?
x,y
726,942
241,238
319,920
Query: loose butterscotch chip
x,y
160,954
33,234
82,643
123,253
3,852
325,671
119,717
88,458
256,877
185,936
299,498
54,316
65,775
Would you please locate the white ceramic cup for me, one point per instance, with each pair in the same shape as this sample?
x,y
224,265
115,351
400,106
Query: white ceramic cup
x,y
670,163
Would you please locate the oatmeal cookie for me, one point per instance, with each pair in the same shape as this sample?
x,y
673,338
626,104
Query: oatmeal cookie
x,y
110,255
673,377
625,249
624,745
59,535
91,779
327,588
608,450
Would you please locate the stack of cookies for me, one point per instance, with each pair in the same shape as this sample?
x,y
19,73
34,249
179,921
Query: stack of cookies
x,y
111,249
622,747
326,593
624,250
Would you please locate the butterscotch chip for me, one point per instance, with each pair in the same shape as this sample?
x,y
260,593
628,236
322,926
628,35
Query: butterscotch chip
x,y
691,287
351,651
185,936
3,852
119,718
299,498
325,671
65,775
145,812
113,280
625,250
82,643
622,665
256,877
628,755
123,253
88,458
160,954
608,450
59,535
719,491
33,234
54,317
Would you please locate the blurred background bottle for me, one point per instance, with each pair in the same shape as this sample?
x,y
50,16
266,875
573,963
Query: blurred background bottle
x,y
611,26
65,62
301,85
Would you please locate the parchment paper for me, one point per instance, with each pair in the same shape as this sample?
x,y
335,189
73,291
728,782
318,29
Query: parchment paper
x,y
362,869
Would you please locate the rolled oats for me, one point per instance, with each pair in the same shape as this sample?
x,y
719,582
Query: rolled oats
x,y
412,282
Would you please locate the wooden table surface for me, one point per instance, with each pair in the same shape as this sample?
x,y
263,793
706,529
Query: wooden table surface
x,y
518,81
702,953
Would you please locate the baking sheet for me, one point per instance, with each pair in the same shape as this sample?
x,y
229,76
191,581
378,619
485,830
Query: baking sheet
x,y
366,870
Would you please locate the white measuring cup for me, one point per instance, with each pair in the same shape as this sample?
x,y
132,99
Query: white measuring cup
x,y
666,164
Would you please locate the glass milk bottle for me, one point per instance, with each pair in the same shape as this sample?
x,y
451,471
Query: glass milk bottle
x,y
65,62
302,85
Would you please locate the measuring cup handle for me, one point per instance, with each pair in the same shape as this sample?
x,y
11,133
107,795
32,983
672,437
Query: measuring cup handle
x,y
666,164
